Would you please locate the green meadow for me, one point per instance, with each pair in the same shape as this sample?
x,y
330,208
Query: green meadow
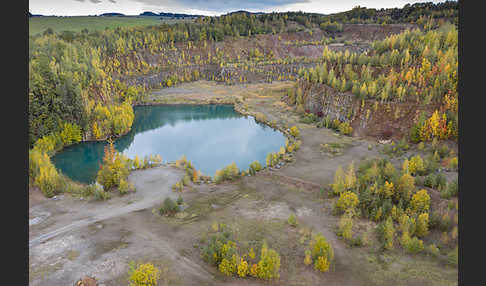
x,y
92,23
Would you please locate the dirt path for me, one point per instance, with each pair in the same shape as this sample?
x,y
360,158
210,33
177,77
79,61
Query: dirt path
x,y
153,186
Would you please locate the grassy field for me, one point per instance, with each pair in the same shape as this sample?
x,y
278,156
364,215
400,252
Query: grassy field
x,y
92,23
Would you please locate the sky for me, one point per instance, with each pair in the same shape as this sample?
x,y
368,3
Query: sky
x,y
203,7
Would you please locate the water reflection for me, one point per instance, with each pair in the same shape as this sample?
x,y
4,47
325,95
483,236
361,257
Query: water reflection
x,y
211,136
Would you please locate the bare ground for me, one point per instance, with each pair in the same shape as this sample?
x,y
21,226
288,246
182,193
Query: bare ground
x,y
73,238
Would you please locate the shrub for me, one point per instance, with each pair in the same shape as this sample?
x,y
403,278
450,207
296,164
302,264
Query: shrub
x,y
433,250
416,165
186,180
414,245
297,145
294,131
452,190
226,267
322,252
179,186
243,269
196,176
180,200
269,264
255,167
339,184
452,164
322,264
272,159
345,227
292,220
309,118
228,173
169,207
422,225
345,128
387,231
124,186
181,162
144,275
420,201
100,194
347,202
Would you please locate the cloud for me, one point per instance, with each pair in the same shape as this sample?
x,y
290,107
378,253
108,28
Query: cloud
x,y
112,1
95,1
219,6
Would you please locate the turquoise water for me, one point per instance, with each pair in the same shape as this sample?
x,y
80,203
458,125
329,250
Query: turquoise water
x,y
211,136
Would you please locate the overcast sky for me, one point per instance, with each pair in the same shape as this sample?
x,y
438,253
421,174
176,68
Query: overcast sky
x,y
203,7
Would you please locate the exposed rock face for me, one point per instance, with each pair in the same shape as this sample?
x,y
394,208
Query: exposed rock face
x,y
325,101
374,118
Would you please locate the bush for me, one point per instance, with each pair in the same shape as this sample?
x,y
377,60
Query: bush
x,y
416,165
269,264
387,233
420,201
180,201
294,131
309,118
345,227
452,190
124,186
169,207
435,181
347,202
322,252
432,250
186,180
414,245
228,173
144,275
422,228
345,128
292,220
272,159
100,194
255,167
452,164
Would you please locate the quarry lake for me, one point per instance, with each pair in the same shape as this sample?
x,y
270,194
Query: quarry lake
x,y
210,136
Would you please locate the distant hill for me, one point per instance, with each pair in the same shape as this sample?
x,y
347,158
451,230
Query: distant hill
x,y
34,15
245,12
112,14
174,15
148,14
